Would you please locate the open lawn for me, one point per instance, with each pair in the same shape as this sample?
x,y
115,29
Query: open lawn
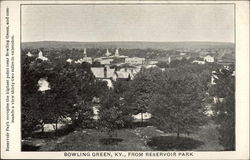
x,y
135,139
89,140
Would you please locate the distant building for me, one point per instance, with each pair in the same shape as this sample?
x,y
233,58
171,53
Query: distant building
x,y
151,66
122,75
117,53
107,54
152,62
96,112
69,60
43,85
103,72
85,58
169,60
209,59
135,61
106,61
40,56
226,62
199,62
141,117
29,54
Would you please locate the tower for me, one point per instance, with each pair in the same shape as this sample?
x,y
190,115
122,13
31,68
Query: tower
x,y
40,54
107,53
116,52
84,53
169,59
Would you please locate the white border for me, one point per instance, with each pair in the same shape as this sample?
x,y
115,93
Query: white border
x,y
242,84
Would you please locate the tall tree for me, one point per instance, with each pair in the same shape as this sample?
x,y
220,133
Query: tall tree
x,y
70,87
179,104
146,83
224,110
113,113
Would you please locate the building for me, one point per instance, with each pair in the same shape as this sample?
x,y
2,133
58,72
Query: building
x,y
29,54
152,62
107,54
69,60
226,62
135,61
106,61
199,62
43,85
85,58
122,75
117,53
209,59
41,57
141,117
169,60
103,72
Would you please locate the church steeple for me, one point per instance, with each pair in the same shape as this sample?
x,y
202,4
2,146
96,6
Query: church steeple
x,y
107,53
84,53
117,52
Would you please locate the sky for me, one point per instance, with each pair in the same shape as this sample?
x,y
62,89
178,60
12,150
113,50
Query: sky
x,y
156,23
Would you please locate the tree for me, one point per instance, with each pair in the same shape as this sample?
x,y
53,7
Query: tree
x,y
113,113
174,97
71,88
145,84
178,105
97,64
224,111
32,71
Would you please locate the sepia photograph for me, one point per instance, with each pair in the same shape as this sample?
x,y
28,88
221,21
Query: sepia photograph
x,y
127,77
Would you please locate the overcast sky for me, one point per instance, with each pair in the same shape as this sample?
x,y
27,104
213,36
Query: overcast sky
x,y
128,23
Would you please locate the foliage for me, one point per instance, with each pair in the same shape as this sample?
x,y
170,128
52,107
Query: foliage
x,y
113,113
166,143
178,106
71,87
224,111
174,97
145,84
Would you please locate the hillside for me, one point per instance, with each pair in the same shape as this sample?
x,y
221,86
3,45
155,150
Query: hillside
x,y
127,45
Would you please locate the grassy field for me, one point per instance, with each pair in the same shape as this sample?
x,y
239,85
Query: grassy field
x,y
89,140
135,139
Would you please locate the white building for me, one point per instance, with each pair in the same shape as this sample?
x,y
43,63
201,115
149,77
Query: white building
x,y
152,62
103,72
117,53
108,53
85,58
43,85
40,56
29,54
135,61
69,60
141,116
209,59
106,61
169,60
199,62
